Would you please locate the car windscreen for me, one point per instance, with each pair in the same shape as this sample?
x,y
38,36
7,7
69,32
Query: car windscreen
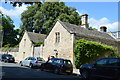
x,y
9,56
58,61
67,62
31,58
40,59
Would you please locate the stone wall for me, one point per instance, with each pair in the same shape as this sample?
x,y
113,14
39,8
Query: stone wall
x,y
25,47
64,48
15,55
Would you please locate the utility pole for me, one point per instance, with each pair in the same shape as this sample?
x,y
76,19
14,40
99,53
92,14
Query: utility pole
x,y
1,40
1,33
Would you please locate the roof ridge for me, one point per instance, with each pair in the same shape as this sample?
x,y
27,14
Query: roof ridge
x,y
72,28
35,33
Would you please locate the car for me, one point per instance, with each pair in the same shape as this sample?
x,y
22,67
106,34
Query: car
x,y
32,62
7,58
104,68
0,57
58,66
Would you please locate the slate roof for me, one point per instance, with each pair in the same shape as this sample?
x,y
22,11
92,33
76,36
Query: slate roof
x,y
36,37
78,30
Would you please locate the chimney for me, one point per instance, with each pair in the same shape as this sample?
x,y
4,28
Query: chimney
x,y
84,18
103,29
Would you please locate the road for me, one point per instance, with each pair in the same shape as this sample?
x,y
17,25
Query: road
x,y
13,71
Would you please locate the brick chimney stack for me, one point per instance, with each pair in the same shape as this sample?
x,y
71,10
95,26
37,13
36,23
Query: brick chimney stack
x,y
84,18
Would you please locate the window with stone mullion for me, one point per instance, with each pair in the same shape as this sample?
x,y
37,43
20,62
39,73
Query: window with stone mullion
x,y
57,37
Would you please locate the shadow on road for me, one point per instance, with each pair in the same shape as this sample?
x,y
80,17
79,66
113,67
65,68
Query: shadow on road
x,y
25,73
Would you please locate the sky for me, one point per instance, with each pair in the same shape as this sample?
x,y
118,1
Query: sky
x,y
100,13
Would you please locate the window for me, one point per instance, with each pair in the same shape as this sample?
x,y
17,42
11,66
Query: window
x,y
24,42
40,59
50,61
26,59
67,62
23,54
113,62
31,58
57,35
58,61
102,62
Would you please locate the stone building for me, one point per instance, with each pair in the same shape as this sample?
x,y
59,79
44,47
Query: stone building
x,y
115,34
26,46
61,40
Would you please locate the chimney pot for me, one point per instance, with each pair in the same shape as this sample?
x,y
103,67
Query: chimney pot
x,y
103,29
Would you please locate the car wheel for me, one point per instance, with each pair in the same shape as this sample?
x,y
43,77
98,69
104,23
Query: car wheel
x,y
56,71
85,74
6,61
42,69
31,65
21,64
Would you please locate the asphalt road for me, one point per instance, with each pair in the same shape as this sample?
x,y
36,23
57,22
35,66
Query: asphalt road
x,y
13,71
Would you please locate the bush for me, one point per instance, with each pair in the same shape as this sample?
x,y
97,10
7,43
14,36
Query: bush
x,y
38,43
7,45
88,51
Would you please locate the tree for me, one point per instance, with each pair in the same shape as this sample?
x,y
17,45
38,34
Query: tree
x,y
20,2
91,28
9,34
41,17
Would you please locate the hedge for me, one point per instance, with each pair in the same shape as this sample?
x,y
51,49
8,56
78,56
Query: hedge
x,y
88,51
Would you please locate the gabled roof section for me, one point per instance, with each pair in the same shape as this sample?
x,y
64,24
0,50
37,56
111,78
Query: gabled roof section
x,y
36,37
78,30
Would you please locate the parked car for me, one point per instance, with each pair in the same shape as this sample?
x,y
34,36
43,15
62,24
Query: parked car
x,y
0,57
7,58
58,66
104,68
32,62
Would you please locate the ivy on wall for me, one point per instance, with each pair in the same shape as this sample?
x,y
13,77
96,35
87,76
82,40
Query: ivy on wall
x,y
88,51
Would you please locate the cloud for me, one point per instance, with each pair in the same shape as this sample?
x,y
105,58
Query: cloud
x,y
103,22
15,12
81,12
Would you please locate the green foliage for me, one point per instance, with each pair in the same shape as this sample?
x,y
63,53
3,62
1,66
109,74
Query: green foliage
x,y
7,48
88,51
90,28
41,17
1,35
9,34
38,43
1,27
7,45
